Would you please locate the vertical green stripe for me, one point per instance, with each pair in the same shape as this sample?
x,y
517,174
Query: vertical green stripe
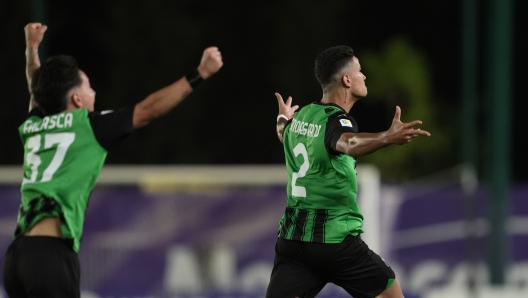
x,y
308,235
293,220
298,232
285,222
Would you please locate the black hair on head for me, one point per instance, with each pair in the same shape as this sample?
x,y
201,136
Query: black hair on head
x,y
52,82
330,62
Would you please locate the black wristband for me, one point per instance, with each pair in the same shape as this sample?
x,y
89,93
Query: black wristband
x,y
194,78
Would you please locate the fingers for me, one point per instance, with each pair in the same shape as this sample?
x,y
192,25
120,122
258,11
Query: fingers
x,y
211,52
36,26
34,34
398,113
414,133
279,97
289,101
211,62
294,108
281,101
413,123
285,108
211,49
419,132
33,25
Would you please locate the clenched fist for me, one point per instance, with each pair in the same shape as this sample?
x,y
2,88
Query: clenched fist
x,y
211,62
34,34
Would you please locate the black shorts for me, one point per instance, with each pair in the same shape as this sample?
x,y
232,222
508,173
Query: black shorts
x,y
302,269
38,266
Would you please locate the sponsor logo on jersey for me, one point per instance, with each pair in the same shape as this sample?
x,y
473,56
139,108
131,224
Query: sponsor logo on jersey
x,y
345,122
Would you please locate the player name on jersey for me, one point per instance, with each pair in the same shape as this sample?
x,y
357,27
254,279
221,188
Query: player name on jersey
x,y
63,120
305,128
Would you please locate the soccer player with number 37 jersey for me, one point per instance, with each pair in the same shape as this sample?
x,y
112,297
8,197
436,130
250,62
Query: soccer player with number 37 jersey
x,y
65,145
319,238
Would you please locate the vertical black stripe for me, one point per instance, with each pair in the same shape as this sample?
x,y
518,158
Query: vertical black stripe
x,y
302,217
319,226
287,221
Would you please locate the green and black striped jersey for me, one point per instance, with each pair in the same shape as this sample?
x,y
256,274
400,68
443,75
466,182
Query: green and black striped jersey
x,y
322,186
64,154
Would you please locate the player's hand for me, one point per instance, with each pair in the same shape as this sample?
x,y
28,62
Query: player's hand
x,y
401,133
34,34
211,62
285,108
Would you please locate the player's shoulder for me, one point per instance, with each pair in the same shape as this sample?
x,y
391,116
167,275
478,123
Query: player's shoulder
x,y
101,113
98,116
329,109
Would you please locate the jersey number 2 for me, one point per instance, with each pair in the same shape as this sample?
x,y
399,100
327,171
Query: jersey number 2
x,y
63,139
300,191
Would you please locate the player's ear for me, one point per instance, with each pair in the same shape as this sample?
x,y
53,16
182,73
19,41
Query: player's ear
x,y
75,100
345,80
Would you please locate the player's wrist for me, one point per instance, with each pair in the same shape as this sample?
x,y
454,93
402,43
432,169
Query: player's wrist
x,y
194,78
32,49
385,138
283,117
204,71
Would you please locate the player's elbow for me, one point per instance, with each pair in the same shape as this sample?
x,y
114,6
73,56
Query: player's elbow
x,y
348,146
143,115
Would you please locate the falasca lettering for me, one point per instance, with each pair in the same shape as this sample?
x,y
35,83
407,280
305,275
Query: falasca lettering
x,y
63,120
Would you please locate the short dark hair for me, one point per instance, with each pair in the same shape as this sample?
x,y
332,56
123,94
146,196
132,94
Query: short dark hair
x,y
330,62
52,82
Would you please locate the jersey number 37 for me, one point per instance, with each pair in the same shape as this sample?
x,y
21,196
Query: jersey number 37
x,y
63,141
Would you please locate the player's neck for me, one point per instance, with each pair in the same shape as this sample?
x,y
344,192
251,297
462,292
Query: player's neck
x,y
340,98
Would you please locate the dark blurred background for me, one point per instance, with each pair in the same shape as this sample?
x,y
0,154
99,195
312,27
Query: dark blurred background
x,y
410,51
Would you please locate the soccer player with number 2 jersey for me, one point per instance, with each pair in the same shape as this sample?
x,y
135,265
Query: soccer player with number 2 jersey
x,y
319,238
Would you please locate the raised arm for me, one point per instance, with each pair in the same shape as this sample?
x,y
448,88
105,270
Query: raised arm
x,y
34,34
286,112
360,144
163,100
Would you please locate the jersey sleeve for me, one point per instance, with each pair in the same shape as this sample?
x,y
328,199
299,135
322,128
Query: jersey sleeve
x,y
110,127
338,124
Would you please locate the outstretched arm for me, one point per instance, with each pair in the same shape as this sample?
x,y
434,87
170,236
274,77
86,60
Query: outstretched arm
x,y
286,112
163,100
34,34
360,144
